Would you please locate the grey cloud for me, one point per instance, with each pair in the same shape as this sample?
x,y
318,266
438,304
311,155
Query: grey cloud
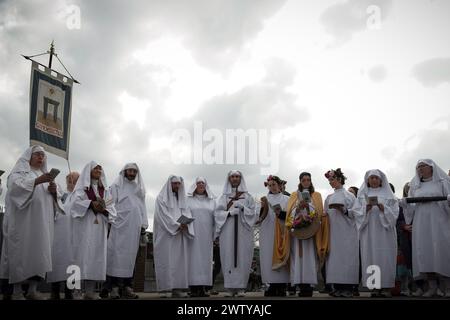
x,y
109,32
219,30
431,145
433,72
266,104
377,73
344,19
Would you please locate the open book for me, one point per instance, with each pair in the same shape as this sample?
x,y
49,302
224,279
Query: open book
x,y
372,200
185,220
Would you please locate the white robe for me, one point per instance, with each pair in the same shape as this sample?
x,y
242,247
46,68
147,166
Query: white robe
x,y
62,249
266,241
303,269
378,238
29,222
123,241
170,247
236,278
342,265
90,239
201,246
431,230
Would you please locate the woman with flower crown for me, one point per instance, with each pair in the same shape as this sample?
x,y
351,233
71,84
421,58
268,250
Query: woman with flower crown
x,y
272,232
342,266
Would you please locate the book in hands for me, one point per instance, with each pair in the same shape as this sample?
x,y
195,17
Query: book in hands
x,y
306,196
276,207
53,173
185,220
373,201
104,204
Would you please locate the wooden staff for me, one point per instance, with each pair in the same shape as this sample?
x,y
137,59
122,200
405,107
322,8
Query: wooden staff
x,y
236,226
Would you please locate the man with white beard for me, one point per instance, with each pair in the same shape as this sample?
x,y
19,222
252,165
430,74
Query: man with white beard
x,y
234,218
128,192
32,201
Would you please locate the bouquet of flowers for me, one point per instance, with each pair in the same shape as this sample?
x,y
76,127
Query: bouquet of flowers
x,y
302,221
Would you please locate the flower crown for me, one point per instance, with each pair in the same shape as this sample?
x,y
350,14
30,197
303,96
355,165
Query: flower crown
x,y
272,178
330,174
334,174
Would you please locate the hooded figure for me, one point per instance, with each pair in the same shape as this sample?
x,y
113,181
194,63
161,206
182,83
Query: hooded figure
x,y
128,192
170,238
235,217
29,219
431,225
62,250
92,209
377,228
201,203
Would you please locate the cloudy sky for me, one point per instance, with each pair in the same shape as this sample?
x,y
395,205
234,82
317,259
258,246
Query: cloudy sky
x,y
356,84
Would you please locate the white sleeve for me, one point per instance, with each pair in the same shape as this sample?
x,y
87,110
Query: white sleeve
x,y
389,217
220,215
79,205
164,219
21,189
249,216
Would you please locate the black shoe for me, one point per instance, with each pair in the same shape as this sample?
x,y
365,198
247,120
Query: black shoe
x,y
305,290
128,293
281,291
305,294
54,295
327,289
68,294
104,294
205,292
195,292
271,291
7,297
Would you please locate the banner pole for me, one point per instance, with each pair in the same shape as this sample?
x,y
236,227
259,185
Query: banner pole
x,y
68,164
51,52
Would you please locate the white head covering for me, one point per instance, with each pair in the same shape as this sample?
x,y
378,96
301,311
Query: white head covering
x,y
139,181
209,193
166,195
438,174
23,164
385,189
84,181
227,189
